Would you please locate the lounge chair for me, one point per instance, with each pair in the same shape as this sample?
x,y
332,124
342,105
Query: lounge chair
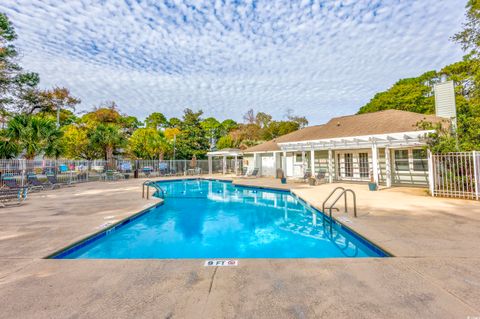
x,y
17,195
111,175
11,182
305,177
52,179
243,172
34,183
253,174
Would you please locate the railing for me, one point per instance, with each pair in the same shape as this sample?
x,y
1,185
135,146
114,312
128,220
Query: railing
x,y
456,175
343,193
147,185
76,171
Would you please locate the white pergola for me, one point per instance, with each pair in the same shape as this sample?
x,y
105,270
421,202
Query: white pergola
x,y
387,141
224,154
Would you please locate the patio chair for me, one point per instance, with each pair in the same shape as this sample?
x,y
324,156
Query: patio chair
x,y
320,177
17,195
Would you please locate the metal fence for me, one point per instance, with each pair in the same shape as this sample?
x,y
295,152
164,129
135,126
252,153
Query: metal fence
x,y
456,175
75,171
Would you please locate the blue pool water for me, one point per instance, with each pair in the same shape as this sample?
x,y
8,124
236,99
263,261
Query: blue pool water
x,y
213,219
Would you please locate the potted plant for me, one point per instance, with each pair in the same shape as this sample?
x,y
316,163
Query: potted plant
x,y
372,186
281,175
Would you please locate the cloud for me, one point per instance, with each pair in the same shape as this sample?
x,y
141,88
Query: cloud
x,y
319,58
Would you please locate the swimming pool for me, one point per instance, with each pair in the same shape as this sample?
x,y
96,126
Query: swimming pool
x,y
216,219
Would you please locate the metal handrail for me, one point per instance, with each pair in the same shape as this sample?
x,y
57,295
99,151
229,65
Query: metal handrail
x,y
149,183
331,194
344,193
143,188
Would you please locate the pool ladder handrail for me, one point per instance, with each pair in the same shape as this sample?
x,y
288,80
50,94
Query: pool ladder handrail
x,y
149,183
344,194
330,195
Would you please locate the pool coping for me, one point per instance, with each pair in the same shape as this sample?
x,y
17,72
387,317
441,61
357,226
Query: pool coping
x,y
78,244
383,253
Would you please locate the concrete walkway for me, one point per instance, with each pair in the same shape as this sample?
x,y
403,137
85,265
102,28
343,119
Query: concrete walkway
x,y
435,273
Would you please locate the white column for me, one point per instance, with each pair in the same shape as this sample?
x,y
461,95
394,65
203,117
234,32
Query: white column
x,y
284,163
431,177
224,164
255,163
375,162
388,167
330,166
210,165
312,162
236,164
304,162
275,161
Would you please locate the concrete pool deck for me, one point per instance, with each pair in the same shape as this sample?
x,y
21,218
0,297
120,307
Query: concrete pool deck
x,y
435,273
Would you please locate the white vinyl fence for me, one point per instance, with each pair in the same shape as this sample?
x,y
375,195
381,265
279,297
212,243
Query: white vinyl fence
x,y
73,171
456,175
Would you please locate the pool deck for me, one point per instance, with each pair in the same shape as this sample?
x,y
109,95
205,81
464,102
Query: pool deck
x,y
435,273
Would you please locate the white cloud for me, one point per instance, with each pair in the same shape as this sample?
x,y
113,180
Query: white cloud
x,y
320,58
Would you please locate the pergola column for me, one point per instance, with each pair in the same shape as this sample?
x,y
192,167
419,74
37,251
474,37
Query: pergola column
x,y
375,162
330,166
236,164
303,161
284,163
388,167
224,162
312,162
210,165
275,161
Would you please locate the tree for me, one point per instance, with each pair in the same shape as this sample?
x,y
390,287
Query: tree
x,y
156,120
226,142
77,144
192,139
49,101
17,88
34,135
228,125
412,94
108,137
213,130
469,37
148,143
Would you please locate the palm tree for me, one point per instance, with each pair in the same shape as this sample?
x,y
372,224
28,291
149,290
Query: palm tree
x,y
34,135
108,137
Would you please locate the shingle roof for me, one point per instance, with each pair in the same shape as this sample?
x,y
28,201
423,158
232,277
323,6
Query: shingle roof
x,y
382,122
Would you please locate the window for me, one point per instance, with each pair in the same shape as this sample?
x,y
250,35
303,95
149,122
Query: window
x,y
298,158
363,162
401,160
348,164
420,162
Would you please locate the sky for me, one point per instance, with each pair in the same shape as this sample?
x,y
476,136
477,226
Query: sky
x,y
318,58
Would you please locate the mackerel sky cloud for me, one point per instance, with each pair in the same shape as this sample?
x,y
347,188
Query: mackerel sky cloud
x,y
319,58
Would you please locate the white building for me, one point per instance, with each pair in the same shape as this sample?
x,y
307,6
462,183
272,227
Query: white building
x,y
387,146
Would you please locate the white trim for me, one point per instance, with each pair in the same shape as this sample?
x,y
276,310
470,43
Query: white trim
x,y
401,139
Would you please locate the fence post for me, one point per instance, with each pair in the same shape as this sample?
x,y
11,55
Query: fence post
x,y
24,164
476,174
185,167
431,179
